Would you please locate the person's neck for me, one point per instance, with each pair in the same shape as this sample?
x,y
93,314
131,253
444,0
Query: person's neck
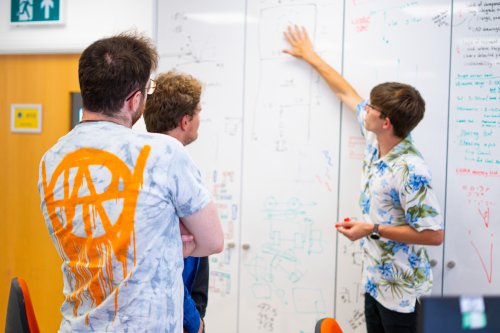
x,y
177,134
386,142
90,116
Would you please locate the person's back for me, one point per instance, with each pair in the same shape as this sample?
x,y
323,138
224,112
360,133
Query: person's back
x,y
112,202
112,199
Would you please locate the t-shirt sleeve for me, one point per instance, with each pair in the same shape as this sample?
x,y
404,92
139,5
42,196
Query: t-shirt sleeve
x,y
189,195
419,200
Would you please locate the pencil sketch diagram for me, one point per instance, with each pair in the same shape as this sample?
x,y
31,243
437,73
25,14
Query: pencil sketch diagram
x,y
279,268
266,317
283,98
188,45
192,52
349,298
357,319
307,301
192,45
353,250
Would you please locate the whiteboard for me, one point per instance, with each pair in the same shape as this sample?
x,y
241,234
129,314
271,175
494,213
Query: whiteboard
x,y
473,190
283,160
290,172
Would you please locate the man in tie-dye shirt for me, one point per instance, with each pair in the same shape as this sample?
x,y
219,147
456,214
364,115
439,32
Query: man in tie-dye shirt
x,y
112,199
400,209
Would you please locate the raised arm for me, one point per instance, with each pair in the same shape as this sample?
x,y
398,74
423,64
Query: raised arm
x,y
303,49
206,228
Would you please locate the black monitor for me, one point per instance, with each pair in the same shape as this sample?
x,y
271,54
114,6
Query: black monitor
x,y
76,108
443,315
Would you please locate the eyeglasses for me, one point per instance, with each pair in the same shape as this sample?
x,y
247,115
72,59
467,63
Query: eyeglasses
x,y
371,106
150,89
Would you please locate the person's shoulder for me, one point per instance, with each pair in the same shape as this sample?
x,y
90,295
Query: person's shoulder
x,y
413,165
164,149
158,140
63,145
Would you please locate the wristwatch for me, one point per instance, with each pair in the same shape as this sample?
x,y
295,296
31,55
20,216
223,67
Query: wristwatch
x,y
375,233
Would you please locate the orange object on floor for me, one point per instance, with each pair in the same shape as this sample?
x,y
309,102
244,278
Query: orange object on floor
x,y
327,325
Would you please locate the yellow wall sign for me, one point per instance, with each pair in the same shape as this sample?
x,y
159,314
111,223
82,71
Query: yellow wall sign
x,y
26,118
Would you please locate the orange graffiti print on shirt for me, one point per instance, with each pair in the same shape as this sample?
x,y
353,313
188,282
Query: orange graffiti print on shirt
x,y
102,247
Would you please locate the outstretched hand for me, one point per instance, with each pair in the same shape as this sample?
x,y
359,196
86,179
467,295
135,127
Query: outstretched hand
x,y
354,230
299,41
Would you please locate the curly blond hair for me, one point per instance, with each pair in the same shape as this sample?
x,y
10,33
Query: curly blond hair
x,y
175,96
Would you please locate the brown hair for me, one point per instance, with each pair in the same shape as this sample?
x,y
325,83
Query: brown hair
x,y
175,96
401,103
112,68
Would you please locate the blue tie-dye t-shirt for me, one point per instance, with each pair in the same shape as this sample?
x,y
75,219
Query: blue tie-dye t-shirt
x,y
112,198
396,190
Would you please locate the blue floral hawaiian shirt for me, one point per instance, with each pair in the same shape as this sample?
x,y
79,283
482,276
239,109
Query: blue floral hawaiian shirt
x,y
396,190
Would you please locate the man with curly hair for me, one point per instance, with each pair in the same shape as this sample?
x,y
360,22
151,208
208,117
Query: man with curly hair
x,y
174,109
400,209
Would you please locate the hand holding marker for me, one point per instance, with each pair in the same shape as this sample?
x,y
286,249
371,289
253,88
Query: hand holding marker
x,y
346,219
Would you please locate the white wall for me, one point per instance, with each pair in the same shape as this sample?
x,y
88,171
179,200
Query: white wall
x,y
84,22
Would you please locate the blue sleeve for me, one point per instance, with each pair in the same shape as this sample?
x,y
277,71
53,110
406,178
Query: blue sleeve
x,y
191,316
360,115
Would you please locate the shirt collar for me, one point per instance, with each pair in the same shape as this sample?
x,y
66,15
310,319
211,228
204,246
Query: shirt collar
x,y
404,147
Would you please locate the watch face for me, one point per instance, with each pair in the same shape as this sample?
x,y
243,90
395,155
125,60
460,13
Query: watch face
x,y
374,236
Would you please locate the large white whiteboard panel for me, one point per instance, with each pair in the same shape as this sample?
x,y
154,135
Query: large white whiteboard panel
x,y
290,172
474,151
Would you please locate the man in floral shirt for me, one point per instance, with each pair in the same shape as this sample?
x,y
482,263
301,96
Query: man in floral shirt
x,y
400,209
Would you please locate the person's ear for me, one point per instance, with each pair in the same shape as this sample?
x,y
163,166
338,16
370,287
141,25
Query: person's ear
x,y
387,123
184,122
135,100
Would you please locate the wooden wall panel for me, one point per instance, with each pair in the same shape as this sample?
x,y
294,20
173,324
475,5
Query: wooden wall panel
x,y
25,246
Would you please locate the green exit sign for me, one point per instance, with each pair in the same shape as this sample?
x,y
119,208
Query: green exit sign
x,y
35,11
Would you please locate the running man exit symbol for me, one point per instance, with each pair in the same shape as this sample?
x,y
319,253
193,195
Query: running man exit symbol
x,y
35,11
